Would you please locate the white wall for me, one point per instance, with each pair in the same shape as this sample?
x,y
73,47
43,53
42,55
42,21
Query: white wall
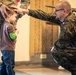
x,y
73,3
22,45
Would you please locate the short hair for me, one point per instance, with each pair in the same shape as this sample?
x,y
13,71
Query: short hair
x,y
65,5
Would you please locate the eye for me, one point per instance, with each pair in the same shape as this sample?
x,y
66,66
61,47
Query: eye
x,y
58,10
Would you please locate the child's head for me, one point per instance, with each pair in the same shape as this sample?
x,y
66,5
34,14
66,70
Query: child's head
x,y
12,16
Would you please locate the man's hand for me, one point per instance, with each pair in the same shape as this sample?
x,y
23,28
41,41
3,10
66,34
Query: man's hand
x,y
3,9
20,10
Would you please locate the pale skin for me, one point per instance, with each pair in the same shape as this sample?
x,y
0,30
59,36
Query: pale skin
x,y
3,8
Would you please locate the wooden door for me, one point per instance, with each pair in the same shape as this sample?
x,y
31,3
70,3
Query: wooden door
x,y
42,34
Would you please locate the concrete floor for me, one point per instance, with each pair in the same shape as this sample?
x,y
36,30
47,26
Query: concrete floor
x,y
40,71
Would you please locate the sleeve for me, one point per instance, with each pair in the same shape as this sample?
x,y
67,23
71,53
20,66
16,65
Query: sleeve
x,y
39,14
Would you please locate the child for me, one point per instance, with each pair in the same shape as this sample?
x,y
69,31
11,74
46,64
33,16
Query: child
x,y
7,44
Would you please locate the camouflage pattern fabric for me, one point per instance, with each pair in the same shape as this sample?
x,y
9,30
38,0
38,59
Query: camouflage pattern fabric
x,y
67,36
66,58
64,52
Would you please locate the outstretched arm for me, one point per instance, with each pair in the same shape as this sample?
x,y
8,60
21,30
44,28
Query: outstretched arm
x,y
38,14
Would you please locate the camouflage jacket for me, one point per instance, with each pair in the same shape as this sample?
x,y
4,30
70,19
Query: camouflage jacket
x,y
67,36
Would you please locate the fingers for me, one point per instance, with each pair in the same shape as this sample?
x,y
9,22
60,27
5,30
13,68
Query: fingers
x,y
20,10
3,9
5,13
7,7
16,9
13,7
2,12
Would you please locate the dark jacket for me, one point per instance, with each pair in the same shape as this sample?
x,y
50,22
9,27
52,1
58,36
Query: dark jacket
x,y
67,38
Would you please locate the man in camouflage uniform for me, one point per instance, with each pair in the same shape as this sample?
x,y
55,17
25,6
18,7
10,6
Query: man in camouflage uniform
x,y
64,50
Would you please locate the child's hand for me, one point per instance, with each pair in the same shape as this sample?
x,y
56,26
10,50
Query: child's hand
x,y
16,31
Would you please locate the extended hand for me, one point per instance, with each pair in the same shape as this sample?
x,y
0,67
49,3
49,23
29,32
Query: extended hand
x,y
3,9
20,10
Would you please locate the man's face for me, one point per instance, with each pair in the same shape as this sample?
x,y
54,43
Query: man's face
x,y
59,12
